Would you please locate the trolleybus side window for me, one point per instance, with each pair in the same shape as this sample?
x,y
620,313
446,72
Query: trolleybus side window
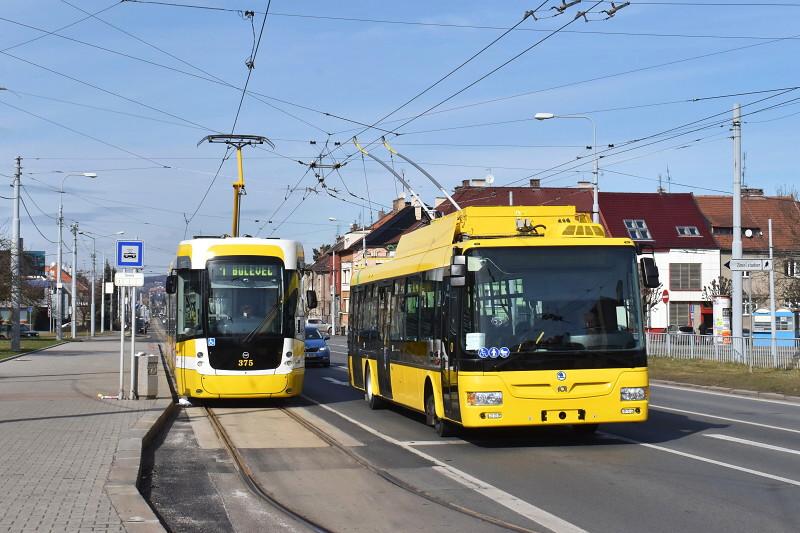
x,y
190,305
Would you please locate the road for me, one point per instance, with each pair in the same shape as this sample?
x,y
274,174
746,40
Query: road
x,y
703,462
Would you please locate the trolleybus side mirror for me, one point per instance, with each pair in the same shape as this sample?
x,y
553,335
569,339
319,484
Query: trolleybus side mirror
x,y
458,271
171,284
649,272
311,299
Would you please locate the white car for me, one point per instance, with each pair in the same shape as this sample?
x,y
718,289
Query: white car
x,y
320,325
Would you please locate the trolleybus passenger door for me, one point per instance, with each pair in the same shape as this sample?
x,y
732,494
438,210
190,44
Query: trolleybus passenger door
x,y
449,352
357,341
384,351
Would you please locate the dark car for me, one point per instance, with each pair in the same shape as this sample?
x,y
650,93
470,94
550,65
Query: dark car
x,y
317,350
24,331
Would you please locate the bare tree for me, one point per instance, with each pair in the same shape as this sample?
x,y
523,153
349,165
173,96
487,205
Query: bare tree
x,y
650,299
788,190
721,286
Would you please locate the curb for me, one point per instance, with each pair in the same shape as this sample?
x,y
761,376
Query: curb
x,y
33,351
122,485
731,391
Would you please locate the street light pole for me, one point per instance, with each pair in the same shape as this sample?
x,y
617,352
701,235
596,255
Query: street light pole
x,y
94,278
596,162
103,297
59,288
16,278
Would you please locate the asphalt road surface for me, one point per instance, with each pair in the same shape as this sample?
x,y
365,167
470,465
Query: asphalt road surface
x,y
703,462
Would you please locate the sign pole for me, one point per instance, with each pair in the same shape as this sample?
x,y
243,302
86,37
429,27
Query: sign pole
x,y
773,344
121,394
133,394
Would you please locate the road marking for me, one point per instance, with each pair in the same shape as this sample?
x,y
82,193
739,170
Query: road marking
x,y
433,442
336,381
521,507
738,421
705,459
715,393
751,443
340,368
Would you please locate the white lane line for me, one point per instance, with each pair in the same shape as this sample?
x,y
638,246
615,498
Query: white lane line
x,y
751,443
727,395
433,442
336,381
725,418
340,368
521,507
705,459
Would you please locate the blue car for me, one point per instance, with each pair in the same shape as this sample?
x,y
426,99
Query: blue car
x,y
317,350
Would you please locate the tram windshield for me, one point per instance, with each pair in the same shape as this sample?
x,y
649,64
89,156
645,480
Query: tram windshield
x,y
552,299
245,298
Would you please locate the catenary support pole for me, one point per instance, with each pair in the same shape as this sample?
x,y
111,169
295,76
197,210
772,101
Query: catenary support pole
x,y
773,342
736,247
16,274
94,282
103,297
73,319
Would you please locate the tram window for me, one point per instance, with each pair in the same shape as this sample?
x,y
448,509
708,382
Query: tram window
x,y
190,307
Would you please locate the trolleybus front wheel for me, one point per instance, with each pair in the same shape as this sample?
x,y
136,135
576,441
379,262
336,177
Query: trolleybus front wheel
x,y
373,401
443,428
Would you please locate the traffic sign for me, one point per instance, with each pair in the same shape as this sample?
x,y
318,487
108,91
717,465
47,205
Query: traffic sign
x,y
129,279
665,296
130,254
747,265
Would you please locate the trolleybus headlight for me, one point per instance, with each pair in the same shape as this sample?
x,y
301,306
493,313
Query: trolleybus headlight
x,y
627,394
485,398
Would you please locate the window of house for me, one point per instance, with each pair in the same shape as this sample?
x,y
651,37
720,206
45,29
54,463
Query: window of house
x,y
679,314
637,229
722,231
791,268
684,277
688,231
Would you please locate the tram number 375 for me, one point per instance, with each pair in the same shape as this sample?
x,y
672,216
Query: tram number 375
x,y
244,362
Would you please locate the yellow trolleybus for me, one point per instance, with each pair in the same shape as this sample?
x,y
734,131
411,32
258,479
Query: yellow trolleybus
x,y
236,318
505,316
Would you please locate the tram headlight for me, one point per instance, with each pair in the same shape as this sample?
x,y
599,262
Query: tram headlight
x,y
485,398
631,394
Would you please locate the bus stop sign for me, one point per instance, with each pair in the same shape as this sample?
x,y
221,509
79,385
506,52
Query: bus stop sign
x,y
130,254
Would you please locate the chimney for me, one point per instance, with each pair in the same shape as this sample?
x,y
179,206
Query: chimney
x,y
381,214
479,182
465,183
583,184
536,183
398,204
752,191
439,200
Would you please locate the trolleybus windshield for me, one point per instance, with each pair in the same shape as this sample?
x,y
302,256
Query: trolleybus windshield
x,y
245,298
535,301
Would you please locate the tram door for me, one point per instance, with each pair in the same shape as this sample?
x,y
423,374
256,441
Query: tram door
x,y
448,352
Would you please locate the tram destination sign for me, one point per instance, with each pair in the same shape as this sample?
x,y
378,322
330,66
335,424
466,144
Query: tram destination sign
x,y
749,265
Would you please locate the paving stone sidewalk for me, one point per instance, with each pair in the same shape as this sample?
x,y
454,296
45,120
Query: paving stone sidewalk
x,y
57,439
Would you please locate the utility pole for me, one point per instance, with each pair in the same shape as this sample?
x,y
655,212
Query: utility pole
x,y
736,247
59,268
94,280
333,290
74,308
16,278
103,297
773,343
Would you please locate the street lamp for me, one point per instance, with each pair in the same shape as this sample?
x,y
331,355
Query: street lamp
x,y
59,297
94,277
595,170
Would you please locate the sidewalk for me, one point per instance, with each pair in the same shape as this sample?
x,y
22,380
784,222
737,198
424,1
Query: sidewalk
x,y
58,440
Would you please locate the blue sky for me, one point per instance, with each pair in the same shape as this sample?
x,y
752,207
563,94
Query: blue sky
x,y
361,70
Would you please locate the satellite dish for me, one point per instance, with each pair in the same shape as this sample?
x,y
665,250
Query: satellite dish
x,y
748,233
489,179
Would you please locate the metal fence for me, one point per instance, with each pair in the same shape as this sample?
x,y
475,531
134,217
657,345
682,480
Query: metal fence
x,y
741,350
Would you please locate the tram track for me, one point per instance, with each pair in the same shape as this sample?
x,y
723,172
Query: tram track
x,y
250,481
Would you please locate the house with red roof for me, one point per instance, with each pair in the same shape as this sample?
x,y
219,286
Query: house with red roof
x,y
672,228
757,211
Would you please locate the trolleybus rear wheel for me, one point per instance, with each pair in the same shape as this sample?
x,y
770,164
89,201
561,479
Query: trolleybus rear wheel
x,y
443,428
373,401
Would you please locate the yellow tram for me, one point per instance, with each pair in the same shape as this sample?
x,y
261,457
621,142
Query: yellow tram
x,y
235,323
505,316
